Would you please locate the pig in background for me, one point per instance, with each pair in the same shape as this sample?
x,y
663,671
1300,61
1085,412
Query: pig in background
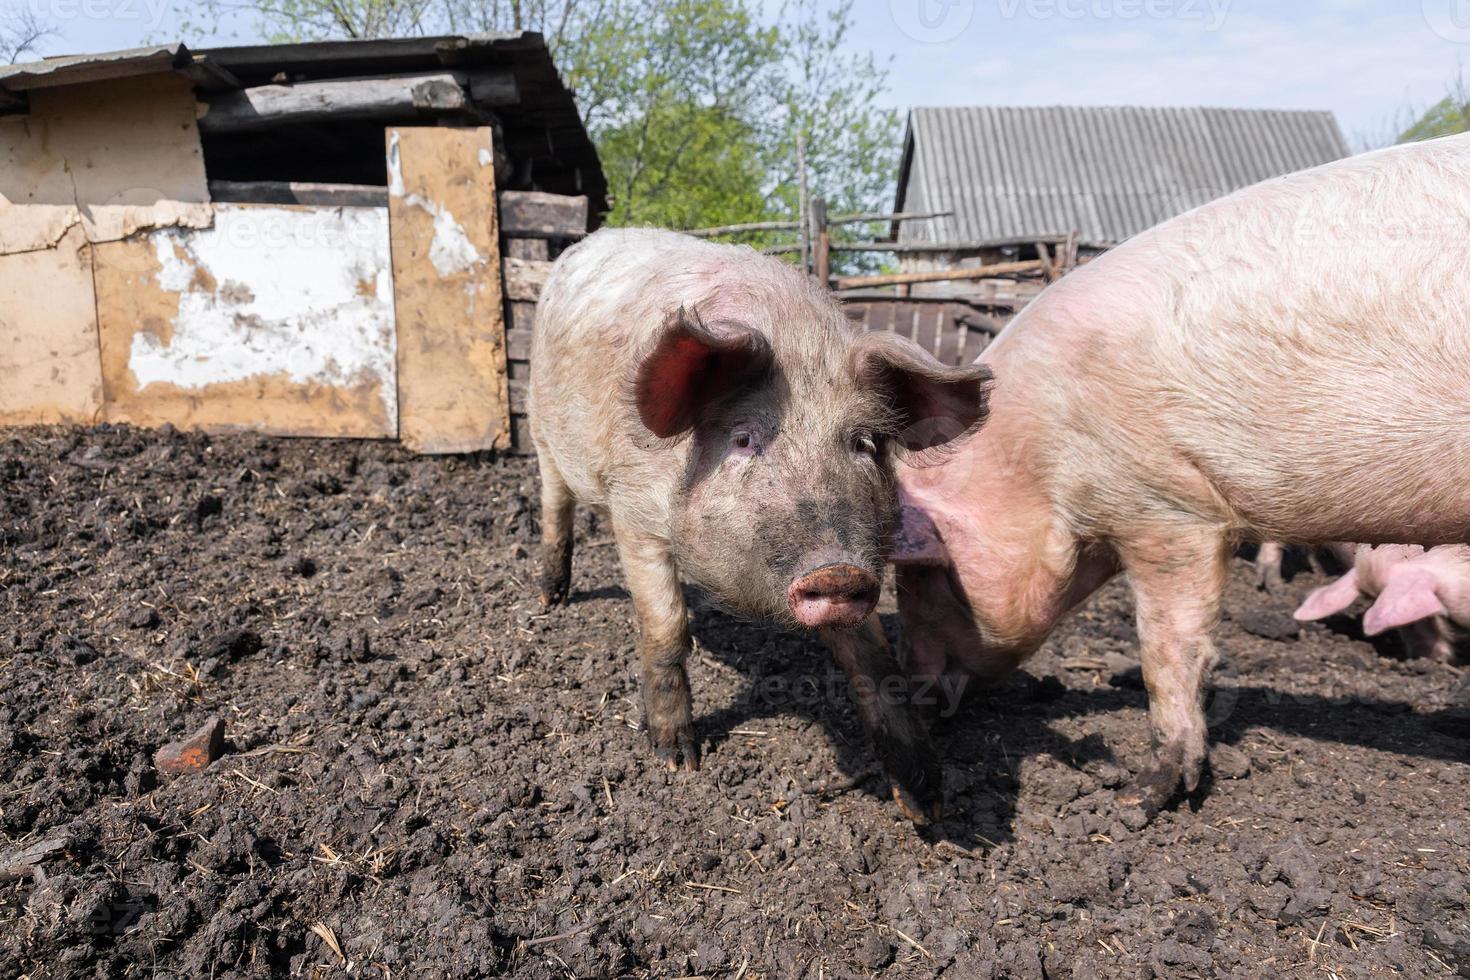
x,y
718,405
1291,362
1424,594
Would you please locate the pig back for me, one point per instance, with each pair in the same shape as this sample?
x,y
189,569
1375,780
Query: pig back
x,y
1293,360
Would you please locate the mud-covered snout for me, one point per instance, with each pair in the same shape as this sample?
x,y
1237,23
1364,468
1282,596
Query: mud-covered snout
x,y
837,593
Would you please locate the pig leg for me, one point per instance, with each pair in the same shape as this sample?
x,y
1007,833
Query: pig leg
x,y
1178,577
1268,568
663,645
557,510
881,691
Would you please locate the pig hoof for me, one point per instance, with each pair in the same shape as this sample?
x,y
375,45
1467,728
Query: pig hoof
x,y
922,814
1154,788
677,749
917,782
553,594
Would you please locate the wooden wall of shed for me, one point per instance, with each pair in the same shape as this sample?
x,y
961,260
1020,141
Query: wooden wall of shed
x,y
955,332
535,228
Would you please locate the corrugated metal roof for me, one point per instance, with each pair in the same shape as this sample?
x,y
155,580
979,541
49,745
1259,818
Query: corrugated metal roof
x,y
1036,174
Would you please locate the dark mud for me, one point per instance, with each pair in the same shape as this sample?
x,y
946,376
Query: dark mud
x,y
426,777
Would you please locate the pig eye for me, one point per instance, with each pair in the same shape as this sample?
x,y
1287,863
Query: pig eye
x,y
743,443
864,444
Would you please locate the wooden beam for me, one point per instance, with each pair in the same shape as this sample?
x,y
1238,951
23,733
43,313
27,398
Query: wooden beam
x,y
524,279
518,345
270,106
535,249
821,241
1048,268
839,219
495,87
532,214
298,192
919,247
862,217
941,275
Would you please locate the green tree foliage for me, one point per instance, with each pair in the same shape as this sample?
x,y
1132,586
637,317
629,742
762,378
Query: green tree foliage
x,y
1445,118
695,105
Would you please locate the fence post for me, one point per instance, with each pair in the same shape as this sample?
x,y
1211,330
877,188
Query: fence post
x,y
803,218
822,260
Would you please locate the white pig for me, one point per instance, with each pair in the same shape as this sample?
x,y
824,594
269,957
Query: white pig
x,y
717,404
1289,363
1424,593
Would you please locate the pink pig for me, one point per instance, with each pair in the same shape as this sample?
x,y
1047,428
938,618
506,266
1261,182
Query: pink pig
x,y
1425,593
1290,363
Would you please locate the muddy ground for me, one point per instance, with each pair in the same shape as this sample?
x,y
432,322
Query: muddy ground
x,y
426,777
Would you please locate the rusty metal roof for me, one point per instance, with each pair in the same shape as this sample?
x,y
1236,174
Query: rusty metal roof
x,y
1035,174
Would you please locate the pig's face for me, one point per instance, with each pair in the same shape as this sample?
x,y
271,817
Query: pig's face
x,y
786,508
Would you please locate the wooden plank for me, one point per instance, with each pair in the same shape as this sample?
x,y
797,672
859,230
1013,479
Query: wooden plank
x,y
525,279
532,214
446,270
521,315
907,248
275,320
942,275
298,192
270,106
48,336
518,345
494,88
861,217
535,249
520,393
520,427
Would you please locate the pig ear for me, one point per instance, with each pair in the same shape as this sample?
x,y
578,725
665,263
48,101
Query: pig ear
x,y
1330,599
935,404
916,541
1405,599
692,363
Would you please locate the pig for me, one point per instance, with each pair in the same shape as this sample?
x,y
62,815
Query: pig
x,y
1288,363
1423,593
717,405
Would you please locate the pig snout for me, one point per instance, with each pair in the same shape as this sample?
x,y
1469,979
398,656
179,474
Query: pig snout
x,y
834,594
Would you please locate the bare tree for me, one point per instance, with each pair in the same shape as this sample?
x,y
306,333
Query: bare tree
x,y
20,31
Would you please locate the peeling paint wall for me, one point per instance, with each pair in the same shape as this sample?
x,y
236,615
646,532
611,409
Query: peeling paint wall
x,y
88,164
114,157
49,371
450,251
276,318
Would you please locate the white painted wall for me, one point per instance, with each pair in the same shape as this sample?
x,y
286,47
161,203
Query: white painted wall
x,y
304,293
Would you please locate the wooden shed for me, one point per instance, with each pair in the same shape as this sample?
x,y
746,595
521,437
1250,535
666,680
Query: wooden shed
x,y
331,239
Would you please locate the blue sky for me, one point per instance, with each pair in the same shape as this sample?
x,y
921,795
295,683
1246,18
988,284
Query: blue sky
x,y
1370,61
1367,60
